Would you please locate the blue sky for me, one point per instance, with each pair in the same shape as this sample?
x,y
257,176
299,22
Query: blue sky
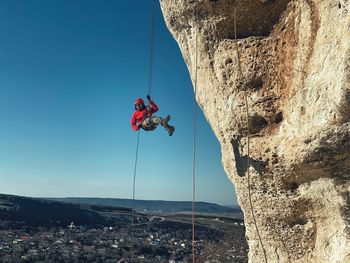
x,y
69,73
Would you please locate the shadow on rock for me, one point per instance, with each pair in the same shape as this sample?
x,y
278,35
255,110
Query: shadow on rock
x,y
242,160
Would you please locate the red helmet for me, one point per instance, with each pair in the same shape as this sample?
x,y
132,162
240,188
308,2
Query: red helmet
x,y
139,100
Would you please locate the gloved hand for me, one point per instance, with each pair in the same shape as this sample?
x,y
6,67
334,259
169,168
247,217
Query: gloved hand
x,y
148,97
140,126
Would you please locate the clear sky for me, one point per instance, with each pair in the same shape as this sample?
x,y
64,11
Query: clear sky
x,y
69,74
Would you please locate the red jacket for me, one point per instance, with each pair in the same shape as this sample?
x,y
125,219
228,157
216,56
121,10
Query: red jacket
x,y
140,115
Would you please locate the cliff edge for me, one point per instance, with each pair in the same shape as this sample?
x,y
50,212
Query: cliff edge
x,y
295,77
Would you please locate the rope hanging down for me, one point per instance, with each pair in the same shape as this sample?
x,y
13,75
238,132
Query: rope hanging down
x,y
151,53
194,153
149,92
248,139
134,191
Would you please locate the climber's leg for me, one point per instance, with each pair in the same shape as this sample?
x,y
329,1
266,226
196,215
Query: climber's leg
x,y
165,121
150,123
153,121
166,126
156,120
170,129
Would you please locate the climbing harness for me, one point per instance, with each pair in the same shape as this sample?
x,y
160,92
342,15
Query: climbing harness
x,y
248,139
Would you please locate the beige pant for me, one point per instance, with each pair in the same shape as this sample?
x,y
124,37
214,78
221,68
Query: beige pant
x,y
152,121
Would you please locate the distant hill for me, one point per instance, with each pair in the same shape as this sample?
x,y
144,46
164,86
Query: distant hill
x,y
18,211
153,206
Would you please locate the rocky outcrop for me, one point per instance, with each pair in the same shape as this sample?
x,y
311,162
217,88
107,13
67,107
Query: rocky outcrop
x,y
295,77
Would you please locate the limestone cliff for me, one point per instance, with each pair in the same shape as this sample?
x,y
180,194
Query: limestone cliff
x,y
295,60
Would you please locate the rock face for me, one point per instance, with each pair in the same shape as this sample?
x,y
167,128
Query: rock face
x,y
294,58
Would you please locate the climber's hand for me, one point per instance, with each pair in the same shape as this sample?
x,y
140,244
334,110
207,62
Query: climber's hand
x,y
148,97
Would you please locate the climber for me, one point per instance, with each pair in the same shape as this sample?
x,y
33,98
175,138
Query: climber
x,y
142,117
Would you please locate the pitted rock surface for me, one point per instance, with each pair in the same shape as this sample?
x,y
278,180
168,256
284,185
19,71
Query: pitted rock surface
x,y
295,61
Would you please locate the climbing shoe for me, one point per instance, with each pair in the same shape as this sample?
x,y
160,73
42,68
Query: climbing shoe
x,y
171,130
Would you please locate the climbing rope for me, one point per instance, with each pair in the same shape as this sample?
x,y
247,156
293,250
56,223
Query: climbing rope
x,y
194,154
135,166
149,92
248,139
151,53
134,191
